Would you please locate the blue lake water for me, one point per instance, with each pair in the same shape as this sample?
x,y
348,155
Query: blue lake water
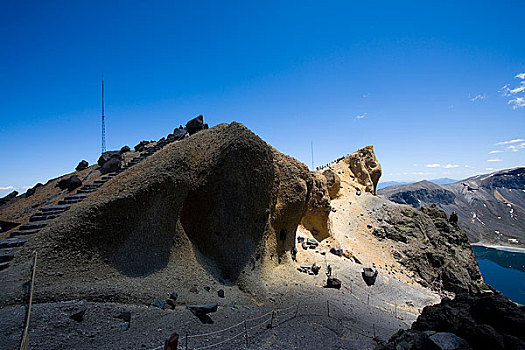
x,y
503,270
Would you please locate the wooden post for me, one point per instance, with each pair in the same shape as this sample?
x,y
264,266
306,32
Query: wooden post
x,y
271,320
296,310
245,333
374,328
368,299
186,340
328,307
24,345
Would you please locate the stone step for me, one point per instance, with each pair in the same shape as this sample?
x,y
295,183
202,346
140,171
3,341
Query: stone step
x,y
33,226
55,208
70,201
6,254
106,178
4,266
24,233
99,182
56,212
44,217
12,242
86,191
76,196
88,187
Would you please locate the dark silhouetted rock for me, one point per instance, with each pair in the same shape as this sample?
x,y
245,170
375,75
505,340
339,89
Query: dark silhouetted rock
x,y
336,251
107,156
8,198
110,166
83,164
332,282
196,125
453,219
369,275
485,322
179,134
124,149
202,309
220,293
140,146
32,190
78,316
70,183
174,296
172,342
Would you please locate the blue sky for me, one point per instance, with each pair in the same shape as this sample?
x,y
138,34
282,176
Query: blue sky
x,y
435,87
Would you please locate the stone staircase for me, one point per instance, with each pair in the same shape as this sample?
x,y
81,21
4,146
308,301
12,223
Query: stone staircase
x,y
9,246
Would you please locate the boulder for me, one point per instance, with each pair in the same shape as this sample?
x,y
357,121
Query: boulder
x,y
71,183
140,146
174,296
365,168
336,251
110,166
333,282
196,125
83,164
107,156
369,275
220,293
78,316
125,149
8,198
32,190
333,182
179,134
202,309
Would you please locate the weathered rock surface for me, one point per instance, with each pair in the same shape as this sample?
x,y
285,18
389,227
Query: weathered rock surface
x,y
315,219
484,322
83,164
365,168
125,149
107,156
436,251
195,125
71,183
333,182
8,198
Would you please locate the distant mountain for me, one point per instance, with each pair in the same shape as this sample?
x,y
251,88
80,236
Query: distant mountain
x,y
441,181
490,207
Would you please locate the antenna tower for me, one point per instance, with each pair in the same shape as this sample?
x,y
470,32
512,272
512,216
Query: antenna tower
x,y
103,121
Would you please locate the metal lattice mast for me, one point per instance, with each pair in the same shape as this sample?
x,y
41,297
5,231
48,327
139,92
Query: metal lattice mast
x,y
103,121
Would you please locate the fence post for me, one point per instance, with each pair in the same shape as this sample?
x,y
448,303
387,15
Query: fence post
x,y
245,333
374,328
186,340
395,310
368,299
271,321
296,310
328,307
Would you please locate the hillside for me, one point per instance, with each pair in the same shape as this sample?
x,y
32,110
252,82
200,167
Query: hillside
x,y
491,207
219,216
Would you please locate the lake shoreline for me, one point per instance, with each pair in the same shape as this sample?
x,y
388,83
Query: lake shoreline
x,y
500,247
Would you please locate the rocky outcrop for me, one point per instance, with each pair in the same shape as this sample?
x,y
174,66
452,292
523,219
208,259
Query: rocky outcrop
x,y
315,218
333,182
195,125
222,197
71,183
125,149
476,322
427,244
8,198
365,168
83,164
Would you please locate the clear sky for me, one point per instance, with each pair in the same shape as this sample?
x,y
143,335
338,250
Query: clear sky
x,y
434,86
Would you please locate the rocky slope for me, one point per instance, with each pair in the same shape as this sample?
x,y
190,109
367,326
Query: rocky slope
x,y
223,210
491,208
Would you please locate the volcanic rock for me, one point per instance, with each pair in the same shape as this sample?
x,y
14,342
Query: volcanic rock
x,y
111,165
365,168
107,156
8,198
195,125
125,149
83,164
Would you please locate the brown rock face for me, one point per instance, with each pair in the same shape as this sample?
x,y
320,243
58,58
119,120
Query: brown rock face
x,y
333,182
222,196
365,168
315,218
